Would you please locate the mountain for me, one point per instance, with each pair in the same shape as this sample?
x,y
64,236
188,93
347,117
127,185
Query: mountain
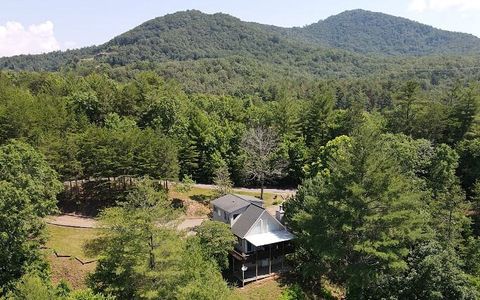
x,y
218,48
193,36
371,32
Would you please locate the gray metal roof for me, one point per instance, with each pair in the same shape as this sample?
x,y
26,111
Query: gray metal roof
x,y
246,220
230,203
251,199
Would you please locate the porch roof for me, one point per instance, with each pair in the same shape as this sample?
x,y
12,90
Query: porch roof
x,y
268,238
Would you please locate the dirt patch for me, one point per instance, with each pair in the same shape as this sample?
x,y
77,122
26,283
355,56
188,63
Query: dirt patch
x,y
192,208
195,209
69,270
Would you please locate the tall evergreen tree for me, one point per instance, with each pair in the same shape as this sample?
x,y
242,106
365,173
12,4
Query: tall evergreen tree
x,y
359,215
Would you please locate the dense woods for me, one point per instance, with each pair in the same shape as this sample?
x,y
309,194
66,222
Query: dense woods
x,y
385,152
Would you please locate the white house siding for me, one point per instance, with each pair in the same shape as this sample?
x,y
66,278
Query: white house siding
x,y
225,217
266,223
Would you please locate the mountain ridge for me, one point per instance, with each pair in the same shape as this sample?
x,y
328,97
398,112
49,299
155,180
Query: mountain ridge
x,y
353,30
351,38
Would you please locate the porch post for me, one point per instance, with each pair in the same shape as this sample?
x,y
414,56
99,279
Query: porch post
x,y
243,276
256,264
270,260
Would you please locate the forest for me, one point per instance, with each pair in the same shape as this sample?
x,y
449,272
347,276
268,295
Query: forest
x,y
398,164
386,161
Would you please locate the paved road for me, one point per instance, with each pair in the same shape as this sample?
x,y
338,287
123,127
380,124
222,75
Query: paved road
x,y
272,191
199,185
71,220
77,221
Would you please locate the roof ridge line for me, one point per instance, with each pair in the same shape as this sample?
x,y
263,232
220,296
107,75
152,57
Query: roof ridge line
x,y
251,203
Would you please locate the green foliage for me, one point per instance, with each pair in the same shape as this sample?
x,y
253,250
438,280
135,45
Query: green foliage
x,y
469,169
337,229
185,185
32,287
293,293
319,117
343,216
87,295
371,32
25,168
432,273
199,278
219,53
20,235
124,149
143,257
28,188
216,240
386,147
222,181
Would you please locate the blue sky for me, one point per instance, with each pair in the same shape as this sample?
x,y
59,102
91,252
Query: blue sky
x,y
33,26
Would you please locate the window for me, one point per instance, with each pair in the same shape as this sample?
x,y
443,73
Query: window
x,y
219,212
250,247
262,226
225,216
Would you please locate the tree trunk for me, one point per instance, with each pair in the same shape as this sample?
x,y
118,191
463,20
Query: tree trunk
x,y
152,255
262,185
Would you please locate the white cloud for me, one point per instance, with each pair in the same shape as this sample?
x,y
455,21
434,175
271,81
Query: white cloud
x,y
69,45
16,39
442,5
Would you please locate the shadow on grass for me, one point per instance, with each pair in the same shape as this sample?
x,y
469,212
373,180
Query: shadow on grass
x,y
178,203
91,197
201,198
296,290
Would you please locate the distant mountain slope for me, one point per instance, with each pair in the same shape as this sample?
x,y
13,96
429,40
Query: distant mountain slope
x,y
370,32
194,35
188,35
348,43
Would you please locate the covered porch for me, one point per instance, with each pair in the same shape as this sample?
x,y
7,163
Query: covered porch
x,y
267,259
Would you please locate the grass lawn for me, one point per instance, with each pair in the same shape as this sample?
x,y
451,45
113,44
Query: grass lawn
x,y
268,198
201,194
70,241
205,195
267,289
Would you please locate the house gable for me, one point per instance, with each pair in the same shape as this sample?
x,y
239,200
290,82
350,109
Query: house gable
x,y
246,220
265,223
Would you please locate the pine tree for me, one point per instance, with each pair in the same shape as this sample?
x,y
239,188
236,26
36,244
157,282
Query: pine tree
x,y
359,215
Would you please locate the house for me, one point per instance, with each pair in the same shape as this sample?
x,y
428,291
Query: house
x,y
262,239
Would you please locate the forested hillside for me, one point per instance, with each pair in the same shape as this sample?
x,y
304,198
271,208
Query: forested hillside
x,y
369,32
339,46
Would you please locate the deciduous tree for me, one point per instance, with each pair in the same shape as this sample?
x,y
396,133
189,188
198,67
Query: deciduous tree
x,y
262,162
